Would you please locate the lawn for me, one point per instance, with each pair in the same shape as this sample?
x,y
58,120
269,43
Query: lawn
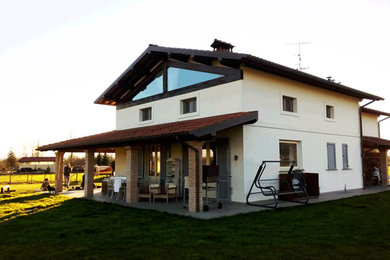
x,y
36,225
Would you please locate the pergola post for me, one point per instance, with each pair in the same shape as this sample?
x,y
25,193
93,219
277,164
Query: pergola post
x,y
89,173
384,167
195,197
59,171
131,174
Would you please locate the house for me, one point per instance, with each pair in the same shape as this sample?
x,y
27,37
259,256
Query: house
x,y
37,164
179,109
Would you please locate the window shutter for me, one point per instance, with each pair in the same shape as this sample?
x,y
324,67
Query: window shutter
x,y
331,156
345,156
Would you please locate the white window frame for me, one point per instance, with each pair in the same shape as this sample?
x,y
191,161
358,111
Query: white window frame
x,y
295,105
330,119
299,153
328,156
141,109
184,98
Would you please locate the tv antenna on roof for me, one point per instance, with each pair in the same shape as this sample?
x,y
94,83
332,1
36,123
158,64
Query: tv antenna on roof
x,y
299,53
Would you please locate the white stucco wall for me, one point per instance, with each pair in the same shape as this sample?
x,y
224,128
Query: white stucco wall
x,y
221,99
120,161
309,126
370,125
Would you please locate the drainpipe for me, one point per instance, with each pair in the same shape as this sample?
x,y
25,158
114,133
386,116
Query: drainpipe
x,y
361,140
196,172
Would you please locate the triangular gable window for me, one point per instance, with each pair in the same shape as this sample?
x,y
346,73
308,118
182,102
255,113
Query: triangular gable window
x,y
153,88
180,78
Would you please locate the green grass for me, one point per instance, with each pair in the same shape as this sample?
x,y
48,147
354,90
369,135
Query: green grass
x,y
59,227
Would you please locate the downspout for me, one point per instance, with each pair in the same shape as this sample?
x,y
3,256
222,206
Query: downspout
x,y
196,171
361,140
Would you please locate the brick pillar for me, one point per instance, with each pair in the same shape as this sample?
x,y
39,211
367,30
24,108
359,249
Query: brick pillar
x,y
59,171
195,186
132,174
89,172
384,167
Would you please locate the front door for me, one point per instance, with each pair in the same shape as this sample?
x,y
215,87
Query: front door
x,y
223,161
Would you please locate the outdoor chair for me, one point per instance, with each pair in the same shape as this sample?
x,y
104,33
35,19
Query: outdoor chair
x,y
110,189
122,192
144,192
166,192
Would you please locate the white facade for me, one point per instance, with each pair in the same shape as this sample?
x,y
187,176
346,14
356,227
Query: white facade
x,y
309,127
370,125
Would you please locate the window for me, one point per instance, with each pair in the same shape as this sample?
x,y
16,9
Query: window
x,y
180,78
188,106
329,112
331,149
153,88
345,156
145,114
154,157
289,104
288,151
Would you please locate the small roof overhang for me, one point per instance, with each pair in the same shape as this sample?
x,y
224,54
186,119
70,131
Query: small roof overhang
x,y
374,112
183,130
375,142
154,54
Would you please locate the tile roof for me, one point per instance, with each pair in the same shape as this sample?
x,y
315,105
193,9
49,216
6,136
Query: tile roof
x,y
37,159
195,128
154,54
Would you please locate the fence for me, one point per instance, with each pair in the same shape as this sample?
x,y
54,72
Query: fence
x,y
35,178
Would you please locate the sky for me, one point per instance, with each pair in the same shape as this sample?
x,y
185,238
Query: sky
x,y
57,56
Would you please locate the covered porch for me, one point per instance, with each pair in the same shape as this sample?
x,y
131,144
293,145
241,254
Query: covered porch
x,y
157,154
375,157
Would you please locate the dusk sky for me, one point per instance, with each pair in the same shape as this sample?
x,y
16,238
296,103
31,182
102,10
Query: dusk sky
x,y
57,57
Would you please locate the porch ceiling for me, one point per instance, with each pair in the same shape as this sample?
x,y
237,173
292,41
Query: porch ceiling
x,y
189,130
374,142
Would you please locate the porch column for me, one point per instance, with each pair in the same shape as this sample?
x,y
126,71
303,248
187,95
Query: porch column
x,y
59,171
132,174
195,197
89,173
384,167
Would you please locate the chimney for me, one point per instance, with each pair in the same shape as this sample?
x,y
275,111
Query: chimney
x,y
218,45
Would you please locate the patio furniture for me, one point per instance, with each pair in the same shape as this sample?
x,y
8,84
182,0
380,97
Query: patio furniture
x,y
110,189
211,176
293,188
165,192
144,192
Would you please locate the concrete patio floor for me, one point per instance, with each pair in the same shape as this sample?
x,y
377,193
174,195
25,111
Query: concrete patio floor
x,y
228,209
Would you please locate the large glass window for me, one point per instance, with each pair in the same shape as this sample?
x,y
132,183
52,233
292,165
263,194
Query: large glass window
x,y
180,78
155,87
288,151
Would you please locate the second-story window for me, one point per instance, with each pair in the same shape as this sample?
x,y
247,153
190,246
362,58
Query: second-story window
x,y
329,112
145,114
188,106
289,104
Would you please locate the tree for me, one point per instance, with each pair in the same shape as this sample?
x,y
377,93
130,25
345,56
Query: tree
x,y
11,160
98,159
105,159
